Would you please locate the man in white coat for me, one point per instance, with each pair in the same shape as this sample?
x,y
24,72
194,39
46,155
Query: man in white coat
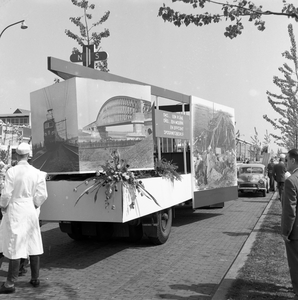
x,y
24,192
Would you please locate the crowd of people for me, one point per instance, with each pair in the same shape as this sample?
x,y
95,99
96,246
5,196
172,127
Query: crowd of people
x,y
23,191
277,173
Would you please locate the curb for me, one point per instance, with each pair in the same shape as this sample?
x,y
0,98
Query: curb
x,y
241,258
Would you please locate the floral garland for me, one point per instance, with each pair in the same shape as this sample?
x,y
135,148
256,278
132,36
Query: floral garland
x,y
114,171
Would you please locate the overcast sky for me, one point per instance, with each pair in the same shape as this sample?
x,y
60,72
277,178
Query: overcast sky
x,y
197,61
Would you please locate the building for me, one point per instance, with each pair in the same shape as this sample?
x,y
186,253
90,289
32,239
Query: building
x,y
244,150
20,117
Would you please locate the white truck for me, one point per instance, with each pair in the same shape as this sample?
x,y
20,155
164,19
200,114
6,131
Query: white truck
x,y
77,123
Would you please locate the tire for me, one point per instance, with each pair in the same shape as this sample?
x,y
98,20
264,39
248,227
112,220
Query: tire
x,y
76,232
264,193
164,224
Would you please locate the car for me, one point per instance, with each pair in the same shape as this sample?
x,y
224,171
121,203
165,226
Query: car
x,y
253,178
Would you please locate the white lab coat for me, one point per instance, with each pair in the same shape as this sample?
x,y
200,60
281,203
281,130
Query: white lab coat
x,y
24,190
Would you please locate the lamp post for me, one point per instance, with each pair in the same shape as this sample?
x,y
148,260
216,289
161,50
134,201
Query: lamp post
x,y
23,26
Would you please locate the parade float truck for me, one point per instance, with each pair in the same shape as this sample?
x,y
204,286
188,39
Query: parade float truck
x,y
121,154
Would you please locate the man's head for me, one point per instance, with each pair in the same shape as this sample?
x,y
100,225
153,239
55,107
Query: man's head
x,y
23,150
292,160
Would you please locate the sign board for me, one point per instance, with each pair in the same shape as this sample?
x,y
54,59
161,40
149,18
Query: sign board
x,y
172,125
266,158
80,57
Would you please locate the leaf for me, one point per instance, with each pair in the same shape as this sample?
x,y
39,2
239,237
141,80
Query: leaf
x,y
147,194
86,191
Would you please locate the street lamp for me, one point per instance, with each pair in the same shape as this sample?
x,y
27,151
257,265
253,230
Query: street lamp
x,y
23,26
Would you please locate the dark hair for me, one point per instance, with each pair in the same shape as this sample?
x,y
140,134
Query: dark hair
x,y
293,154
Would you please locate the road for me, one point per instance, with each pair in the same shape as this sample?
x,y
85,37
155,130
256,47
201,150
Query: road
x,y
190,265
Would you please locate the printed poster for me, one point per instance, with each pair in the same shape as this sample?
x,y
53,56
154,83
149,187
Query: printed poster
x,y
213,145
77,123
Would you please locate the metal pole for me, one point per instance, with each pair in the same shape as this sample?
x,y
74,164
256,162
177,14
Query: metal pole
x,y
184,146
158,139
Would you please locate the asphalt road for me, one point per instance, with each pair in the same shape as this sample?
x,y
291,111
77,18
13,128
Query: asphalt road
x,y
202,246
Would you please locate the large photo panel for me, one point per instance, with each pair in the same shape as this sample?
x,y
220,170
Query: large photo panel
x,y
78,123
213,146
114,116
55,128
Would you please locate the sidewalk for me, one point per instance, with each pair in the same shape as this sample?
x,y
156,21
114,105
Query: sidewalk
x,y
240,260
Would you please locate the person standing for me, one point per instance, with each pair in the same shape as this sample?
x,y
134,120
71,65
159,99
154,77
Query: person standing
x,y
24,192
279,171
270,171
289,219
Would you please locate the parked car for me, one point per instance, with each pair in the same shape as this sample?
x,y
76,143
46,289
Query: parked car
x,y
253,178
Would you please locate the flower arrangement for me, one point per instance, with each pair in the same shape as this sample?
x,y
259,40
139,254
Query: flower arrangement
x,y
114,171
167,169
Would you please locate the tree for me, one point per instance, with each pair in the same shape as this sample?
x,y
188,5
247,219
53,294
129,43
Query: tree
x,y
87,37
256,145
279,152
285,103
232,11
266,143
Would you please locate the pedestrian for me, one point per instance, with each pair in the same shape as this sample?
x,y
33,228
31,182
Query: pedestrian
x,y
279,171
289,220
270,171
24,262
23,193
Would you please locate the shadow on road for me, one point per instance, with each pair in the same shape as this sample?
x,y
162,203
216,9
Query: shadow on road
x,y
202,292
186,215
237,233
58,250
257,201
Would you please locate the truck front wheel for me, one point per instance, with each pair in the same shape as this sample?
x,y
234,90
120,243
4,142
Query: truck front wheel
x,y
76,231
164,225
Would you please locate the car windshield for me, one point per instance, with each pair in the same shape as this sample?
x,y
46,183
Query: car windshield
x,y
254,170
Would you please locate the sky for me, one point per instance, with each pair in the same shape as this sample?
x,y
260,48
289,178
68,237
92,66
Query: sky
x,y
198,61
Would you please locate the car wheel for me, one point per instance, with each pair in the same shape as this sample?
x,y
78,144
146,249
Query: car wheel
x,y
264,193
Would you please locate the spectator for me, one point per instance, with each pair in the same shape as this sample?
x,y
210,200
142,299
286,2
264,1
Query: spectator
x,y
289,220
270,171
279,171
24,192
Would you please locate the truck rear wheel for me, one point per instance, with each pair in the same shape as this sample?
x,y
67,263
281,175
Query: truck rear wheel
x,y
164,225
104,231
